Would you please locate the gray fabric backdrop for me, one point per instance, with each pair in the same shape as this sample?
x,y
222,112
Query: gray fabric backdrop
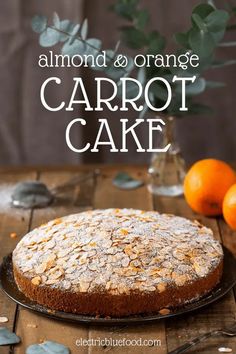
x,y
31,135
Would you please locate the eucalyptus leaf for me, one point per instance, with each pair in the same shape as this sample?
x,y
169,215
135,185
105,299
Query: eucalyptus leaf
x,y
201,42
117,47
218,36
77,47
144,111
132,90
195,88
217,20
84,29
126,9
159,91
141,77
133,37
116,73
49,37
93,46
67,27
156,43
142,19
109,54
39,23
7,337
203,10
56,21
199,22
74,33
182,39
212,3
124,181
48,347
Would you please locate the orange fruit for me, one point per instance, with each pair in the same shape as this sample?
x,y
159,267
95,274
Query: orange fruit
x,y
206,184
229,207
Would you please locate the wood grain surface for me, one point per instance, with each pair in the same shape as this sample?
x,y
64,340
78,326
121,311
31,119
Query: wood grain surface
x,y
98,192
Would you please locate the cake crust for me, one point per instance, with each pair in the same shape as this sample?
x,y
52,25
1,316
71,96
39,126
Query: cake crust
x,y
117,262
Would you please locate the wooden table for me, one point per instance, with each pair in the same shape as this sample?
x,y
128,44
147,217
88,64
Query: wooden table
x,y
33,328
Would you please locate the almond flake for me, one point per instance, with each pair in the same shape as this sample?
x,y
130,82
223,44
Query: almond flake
x,y
84,286
124,232
164,312
52,281
31,325
161,287
3,319
36,280
41,268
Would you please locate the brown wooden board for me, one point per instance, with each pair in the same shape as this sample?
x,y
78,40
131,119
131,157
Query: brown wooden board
x,y
11,221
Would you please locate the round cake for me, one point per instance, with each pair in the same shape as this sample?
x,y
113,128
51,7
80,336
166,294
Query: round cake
x,y
117,262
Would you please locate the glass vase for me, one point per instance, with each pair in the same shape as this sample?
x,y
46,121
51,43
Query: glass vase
x,y
167,169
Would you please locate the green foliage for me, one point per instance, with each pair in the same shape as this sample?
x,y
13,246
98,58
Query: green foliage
x,y
133,37
208,25
39,23
125,9
203,37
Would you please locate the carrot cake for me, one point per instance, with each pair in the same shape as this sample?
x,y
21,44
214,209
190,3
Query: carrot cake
x,y
117,262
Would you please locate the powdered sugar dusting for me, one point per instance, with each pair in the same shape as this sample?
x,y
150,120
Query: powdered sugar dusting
x,y
118,251
6,191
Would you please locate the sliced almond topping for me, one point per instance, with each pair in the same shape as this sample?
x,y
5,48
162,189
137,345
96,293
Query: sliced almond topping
x,y
92,244
164,312
36,281
84,286
154,271
57,221
83,260
161,287
124,232
52,281
41,268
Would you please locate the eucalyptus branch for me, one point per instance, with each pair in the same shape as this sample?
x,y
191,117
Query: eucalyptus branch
x,y
79,38
71,34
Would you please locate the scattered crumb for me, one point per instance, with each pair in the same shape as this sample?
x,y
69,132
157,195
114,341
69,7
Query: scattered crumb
x,y
13,235
164,312
225,350
3,319
32,325
51,311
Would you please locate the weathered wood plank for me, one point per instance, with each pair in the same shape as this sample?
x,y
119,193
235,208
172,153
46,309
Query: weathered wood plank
x,y
107,196
215,316
228,236
30,326
11,221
